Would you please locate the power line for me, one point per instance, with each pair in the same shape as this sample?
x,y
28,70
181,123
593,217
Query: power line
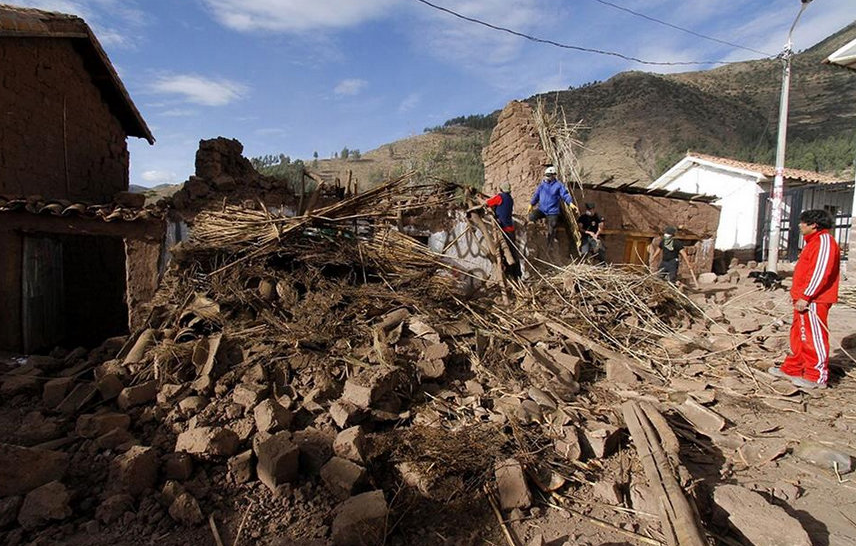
x,y
676,27
564,46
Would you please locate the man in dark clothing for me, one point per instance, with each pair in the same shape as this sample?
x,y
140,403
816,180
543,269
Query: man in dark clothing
x,y
548,197
670,248
591,224
503,205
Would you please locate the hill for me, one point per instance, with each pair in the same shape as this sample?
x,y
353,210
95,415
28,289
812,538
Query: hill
x,y
638,124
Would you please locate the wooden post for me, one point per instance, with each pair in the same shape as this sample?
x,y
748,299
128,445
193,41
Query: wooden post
x,y
477,221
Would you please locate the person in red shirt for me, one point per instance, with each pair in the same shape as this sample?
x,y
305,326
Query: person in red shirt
x,y
814,290
503,206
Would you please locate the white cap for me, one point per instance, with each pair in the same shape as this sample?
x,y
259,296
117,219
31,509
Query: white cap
x,y
550,170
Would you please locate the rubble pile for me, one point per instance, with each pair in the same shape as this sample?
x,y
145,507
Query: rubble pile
x,y
323,379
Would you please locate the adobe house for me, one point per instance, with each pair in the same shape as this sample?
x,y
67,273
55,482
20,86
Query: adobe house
x,y
743,191
634,216
77,253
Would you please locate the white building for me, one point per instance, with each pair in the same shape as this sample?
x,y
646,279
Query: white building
x,y
743,190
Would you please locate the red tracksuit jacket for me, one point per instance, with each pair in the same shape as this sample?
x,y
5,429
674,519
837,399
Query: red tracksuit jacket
x,y
816,274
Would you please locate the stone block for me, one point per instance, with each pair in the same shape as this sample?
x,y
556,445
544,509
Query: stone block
x,y
110,386
361,520
511,484
93,425
241,467
55,390
343,477
177,466
185,510
762,523
138,394
44,504
136,469
351,444
603,441
278,460
271,416
249,394
208,442
23,469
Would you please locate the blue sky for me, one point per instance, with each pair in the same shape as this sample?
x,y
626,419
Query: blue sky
x,y
299,76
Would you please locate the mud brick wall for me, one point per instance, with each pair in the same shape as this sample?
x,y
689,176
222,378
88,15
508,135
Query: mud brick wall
x,y
514,154
58,137
142,260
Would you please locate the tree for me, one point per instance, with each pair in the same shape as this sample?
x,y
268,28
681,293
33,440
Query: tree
x,y
345,152
355,154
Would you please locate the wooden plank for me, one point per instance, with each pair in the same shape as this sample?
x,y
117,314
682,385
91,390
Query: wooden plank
x,y
680,524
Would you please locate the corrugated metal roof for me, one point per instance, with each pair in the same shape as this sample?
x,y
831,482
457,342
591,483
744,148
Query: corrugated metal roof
x,y
17,22
110,212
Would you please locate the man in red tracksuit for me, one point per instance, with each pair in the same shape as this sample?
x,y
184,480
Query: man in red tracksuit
x,y
814,290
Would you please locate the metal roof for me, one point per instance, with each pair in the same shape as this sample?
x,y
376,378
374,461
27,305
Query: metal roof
x,y
17,22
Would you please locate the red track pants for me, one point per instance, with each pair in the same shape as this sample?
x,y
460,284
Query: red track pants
x,y
809,356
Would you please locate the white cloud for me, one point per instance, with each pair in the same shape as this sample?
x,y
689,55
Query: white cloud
x,y
296,15
199,89
472,45
409,103
352,86
155,177
178,113
270,131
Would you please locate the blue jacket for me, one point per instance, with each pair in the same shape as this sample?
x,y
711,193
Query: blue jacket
x,y
548,194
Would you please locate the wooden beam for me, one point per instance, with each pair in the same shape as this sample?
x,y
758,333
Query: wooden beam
x,y
677,514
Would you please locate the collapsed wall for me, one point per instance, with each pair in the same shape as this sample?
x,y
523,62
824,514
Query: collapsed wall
x,y
633,221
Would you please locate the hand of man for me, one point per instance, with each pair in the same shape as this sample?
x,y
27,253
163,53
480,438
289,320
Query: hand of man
x,y
800,305
530,209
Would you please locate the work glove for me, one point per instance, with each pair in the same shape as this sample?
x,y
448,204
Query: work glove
x,y
530,209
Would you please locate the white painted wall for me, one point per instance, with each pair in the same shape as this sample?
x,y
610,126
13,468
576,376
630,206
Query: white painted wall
x,y
738,193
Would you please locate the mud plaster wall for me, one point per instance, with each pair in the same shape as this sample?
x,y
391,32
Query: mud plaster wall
x,y
141,278
54,122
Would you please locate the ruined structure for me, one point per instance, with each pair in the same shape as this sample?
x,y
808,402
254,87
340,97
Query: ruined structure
x,y
66,118
635,217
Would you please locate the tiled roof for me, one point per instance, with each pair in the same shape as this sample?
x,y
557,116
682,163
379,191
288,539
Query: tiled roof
x,y
17,22
769,171
108,212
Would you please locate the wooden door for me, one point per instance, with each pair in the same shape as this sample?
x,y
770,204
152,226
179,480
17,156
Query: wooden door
x,y
636,250
42,293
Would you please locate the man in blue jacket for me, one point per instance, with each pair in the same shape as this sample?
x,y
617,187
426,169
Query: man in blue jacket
x,y
503,206
548,196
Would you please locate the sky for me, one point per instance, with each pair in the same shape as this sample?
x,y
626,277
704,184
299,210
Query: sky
x,y
296,77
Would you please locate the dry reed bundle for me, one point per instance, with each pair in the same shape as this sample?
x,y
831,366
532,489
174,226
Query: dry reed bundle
x,y
560,142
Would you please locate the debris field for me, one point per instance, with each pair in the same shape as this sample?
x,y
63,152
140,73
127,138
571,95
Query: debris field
x,y
325,379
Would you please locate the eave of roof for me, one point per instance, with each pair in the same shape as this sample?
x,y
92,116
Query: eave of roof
x,y
110,212
19,22
844,56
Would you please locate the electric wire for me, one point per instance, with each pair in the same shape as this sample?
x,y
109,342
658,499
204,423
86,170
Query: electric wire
x,y
566,46
676,27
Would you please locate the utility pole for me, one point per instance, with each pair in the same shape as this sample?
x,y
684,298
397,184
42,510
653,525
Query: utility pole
x,y
779,181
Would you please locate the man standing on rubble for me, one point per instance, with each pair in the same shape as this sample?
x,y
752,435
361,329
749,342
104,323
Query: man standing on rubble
x,y
591,225
503,205
548,197
814,290
670,249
